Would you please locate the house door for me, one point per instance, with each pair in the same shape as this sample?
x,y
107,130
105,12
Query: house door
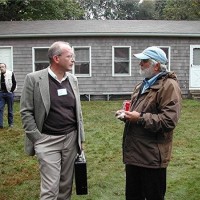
x,y
194,67
6,57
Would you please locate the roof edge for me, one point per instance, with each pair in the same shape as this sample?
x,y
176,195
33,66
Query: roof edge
x,y
101,35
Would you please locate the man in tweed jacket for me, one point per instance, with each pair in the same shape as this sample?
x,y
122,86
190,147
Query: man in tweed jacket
x,y
52,120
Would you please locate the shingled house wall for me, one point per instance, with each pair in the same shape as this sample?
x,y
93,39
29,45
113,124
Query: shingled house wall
x,y
102,80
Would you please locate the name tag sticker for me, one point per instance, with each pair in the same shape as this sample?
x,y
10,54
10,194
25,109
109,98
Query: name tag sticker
x,y
62,92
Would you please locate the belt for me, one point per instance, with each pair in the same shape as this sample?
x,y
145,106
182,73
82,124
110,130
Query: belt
x,y
58,133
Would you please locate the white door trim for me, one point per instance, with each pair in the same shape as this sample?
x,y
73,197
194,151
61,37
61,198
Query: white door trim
x,y
194,70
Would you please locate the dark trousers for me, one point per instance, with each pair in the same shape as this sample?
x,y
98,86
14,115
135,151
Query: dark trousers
x,y
145,183
6,98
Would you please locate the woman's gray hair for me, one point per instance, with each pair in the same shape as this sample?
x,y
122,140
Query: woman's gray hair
x,y
163,68
56,49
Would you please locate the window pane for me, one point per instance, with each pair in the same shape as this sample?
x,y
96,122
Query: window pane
x,y
196,56
81,68
166,50
41,55
122,54
121,60
121,67
82,61
82,54
39,66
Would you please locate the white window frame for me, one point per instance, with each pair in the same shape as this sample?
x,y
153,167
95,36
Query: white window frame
x,y
113,61
10,67
90,68
169,56
33,56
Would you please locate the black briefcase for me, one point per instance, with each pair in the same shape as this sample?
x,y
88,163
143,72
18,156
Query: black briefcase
x,y
81,175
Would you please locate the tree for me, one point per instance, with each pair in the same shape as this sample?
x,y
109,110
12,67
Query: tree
x,y
146,10
112,9
11,10
182,10
128,10
123,9
40,10
98,9
159,7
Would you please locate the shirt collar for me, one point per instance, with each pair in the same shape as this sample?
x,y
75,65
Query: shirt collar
x,y
149,82
52,74
152,80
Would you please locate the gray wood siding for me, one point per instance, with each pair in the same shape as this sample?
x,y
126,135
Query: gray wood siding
x,y
101,58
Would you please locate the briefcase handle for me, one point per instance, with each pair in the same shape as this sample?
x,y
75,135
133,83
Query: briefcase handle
x,y
81,157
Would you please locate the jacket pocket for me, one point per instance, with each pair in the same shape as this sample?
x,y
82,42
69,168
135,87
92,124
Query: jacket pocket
x,y
33,135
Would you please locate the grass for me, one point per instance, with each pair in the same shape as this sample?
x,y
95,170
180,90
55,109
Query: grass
x,y
19,176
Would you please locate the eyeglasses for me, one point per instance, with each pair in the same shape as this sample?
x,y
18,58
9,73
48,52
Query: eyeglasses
x,y
69,56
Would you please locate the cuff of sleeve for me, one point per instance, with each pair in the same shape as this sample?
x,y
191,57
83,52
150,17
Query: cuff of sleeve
x,y
141,119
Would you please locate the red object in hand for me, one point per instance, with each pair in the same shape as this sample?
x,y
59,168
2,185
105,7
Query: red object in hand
x,y
126,105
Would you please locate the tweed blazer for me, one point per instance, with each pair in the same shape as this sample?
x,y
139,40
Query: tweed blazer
x,y
35,105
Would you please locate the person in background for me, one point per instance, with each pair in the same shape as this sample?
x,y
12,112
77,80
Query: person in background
x,y
52,119
7,88
148,133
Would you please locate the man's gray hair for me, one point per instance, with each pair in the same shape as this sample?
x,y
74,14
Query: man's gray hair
x,y
163,68
56,49
3,64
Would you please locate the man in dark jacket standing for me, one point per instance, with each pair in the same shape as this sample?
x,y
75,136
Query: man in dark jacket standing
x,y
8,85
147,141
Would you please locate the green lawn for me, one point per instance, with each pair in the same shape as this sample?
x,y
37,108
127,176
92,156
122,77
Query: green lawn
x,y
19,176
